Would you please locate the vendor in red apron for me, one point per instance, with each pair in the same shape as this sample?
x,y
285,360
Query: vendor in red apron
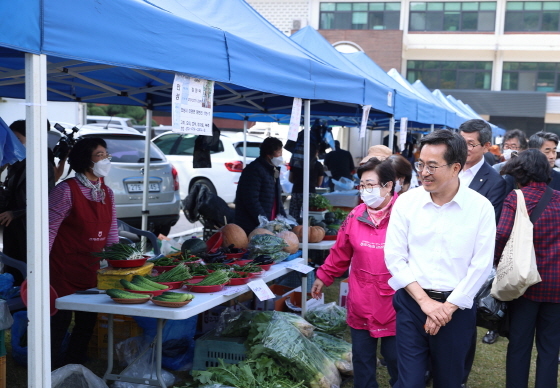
x,y
82,220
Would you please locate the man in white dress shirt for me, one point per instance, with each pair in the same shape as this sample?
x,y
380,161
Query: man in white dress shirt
x,y
439,249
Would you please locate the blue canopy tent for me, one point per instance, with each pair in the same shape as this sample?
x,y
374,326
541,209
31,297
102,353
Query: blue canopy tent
x,y
427,111
93,51
496,131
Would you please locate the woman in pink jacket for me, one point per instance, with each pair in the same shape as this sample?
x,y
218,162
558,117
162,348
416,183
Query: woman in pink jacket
x,y
360,243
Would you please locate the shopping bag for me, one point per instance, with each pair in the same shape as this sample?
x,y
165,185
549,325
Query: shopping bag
x,y
517,269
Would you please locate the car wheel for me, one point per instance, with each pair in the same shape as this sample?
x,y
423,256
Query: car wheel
x,y
206,183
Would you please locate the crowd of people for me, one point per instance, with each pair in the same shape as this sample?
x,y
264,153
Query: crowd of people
x,y
418,257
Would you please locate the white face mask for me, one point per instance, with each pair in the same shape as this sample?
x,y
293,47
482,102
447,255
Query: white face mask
x,y
101,169
507,154
277,161
373,199
398,186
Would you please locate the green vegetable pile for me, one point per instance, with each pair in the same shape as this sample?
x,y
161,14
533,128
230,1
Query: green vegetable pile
x,y
121,252
317,201
140,283
328,318
173,297
263,372
176,274
271,335
337,349
198,269
214,279
122,294
164,261
266,244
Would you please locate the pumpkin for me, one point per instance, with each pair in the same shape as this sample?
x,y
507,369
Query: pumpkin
x,y
259,231
315,235
291,239
234,234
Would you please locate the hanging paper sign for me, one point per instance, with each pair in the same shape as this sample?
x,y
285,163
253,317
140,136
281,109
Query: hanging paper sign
x,y
302,268
192,105
295,119
365,116
402,132
389,98
261,290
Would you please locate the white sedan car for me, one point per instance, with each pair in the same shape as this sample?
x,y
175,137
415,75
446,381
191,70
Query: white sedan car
x,y
226,157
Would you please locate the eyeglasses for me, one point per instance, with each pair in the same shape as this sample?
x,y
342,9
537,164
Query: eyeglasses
x,y
431,169
512,147
103,155
472,146
368,187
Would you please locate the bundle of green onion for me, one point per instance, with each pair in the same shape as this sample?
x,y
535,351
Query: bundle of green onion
x,y
121,251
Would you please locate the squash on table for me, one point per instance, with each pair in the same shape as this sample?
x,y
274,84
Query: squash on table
x,y
291,239
234,234
259,231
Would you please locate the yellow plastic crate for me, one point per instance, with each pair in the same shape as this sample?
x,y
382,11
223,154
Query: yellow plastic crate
x,y
108,278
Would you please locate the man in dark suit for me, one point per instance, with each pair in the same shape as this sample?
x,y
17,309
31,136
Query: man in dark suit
x,y
483,179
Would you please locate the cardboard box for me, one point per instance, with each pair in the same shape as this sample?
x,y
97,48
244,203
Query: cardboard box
x,y
124,327
343,294
110,277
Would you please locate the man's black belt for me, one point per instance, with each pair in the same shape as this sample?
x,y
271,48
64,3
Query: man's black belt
x,y
440,296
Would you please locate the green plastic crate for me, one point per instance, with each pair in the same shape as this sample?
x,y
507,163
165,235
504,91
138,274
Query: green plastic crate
x,y
209,348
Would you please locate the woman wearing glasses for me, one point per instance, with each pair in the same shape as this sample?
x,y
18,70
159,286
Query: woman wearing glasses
x,y
360,243
82,220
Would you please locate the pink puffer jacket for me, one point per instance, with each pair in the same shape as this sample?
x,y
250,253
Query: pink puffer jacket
x,y
370,298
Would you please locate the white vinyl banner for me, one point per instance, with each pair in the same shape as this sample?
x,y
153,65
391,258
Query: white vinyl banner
x,y
402,132
365,116
295,119
192,105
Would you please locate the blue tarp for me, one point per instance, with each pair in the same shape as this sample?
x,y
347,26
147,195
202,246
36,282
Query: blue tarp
x,y
165,37
426,111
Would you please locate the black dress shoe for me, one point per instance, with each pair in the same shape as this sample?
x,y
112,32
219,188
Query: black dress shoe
x,y
490,337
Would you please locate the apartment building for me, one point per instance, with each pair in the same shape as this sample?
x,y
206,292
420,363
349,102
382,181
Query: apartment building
x,y
500,57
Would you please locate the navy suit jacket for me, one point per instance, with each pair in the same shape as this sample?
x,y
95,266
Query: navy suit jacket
x,y
489,183
554,183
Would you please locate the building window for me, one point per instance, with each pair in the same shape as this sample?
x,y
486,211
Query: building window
x,y
451,74
532,16
531,76
360,16
453,16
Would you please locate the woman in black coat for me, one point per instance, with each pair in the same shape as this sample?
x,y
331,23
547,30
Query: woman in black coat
x,y
258,191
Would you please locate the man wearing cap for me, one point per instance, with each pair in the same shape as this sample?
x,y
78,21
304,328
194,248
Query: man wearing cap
x,y
340,163
380,152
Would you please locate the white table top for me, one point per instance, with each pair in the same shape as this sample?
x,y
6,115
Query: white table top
x,y
102,303
320,246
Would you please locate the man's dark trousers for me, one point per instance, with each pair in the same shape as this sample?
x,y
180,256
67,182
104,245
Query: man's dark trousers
x,y
446,351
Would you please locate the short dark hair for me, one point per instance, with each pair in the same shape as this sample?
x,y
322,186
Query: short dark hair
x,y
537,140
270,145
456,151
529,166
402,167
19,127
516,133
481,127
80,155
384,170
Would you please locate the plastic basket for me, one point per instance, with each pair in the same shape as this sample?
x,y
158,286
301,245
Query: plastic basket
x,y
209,348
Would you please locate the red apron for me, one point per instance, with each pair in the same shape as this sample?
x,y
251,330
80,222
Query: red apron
x,y
85,230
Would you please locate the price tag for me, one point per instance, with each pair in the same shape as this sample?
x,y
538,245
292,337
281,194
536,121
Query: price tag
x,y
234,290
261,290
302,268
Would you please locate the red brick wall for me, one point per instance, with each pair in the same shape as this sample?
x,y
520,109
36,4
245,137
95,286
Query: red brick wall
x,y
383,46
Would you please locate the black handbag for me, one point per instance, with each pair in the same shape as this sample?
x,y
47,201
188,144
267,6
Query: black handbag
x,y
489,310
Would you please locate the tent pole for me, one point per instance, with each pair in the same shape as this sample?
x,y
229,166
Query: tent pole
x,y
245,142
305,205
432,128
146,173
39,355
392,133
